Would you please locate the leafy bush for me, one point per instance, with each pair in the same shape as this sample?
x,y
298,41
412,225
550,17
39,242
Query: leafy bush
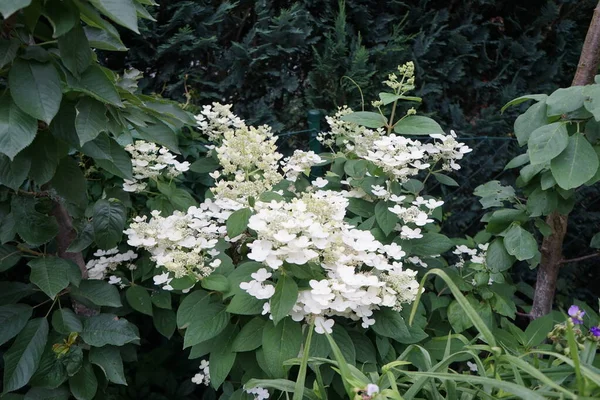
x,y
147,247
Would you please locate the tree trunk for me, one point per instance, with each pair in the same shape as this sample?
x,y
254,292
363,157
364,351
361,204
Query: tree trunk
x,y
552,245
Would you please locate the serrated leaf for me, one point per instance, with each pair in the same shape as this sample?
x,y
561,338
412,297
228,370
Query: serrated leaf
x,y
8,51
165,322
109,360
161,299
65,321
49,274
280,343
109,155
100,293
284,298
100,330
13,173
94,82
222,358
84,384
35,88
366,118
12,292
191,306
417,125
13,318
250,336
21,360
9,257
70,183
497,258
62,14
244,304
207,323
445,179
237,222
75,50
205,165
390,323
123,12
17,129
386,219
33,227
108,221
139,299
90,120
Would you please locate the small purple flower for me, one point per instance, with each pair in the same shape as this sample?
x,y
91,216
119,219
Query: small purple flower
x,y
576,314
595,331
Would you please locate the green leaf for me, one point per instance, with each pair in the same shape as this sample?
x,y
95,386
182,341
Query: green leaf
x,y
386,219
388,98
280,343
9,257
366,118
162,299
21,360
70,183
9,7
503,301
518,161
62,14
109,155
430,244
493,194
33,227
389,323
530,120
522,99
109,360
497,258
108,221
35,88
417,125
286,294
47,152
65,321
49,274
13,318
538,329
17,129
244,304
445,179
12,292
250,337
216,282
165,322
595,242
576,164
75,51
528,172
8,51
91,119
205,165
237,222
520,243
12,174
161,133
591,95
223,357
102,329
100,293
190,307
563,101
84,384
207,323
41,393
541,202
139,299
95,82
459,320
547,142
123,12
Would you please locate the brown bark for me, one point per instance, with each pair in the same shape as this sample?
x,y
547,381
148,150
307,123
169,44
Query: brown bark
x,y
66,235
552,245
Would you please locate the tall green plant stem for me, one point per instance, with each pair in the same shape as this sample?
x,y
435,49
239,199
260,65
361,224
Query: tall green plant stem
x,y
552,245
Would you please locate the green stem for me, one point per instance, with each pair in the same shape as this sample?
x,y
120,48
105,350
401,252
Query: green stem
x,y
299,388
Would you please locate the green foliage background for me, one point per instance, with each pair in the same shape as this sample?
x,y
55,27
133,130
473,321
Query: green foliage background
x,y
274,60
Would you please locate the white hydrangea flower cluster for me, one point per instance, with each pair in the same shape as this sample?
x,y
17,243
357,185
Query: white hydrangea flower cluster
x,y
108,261
361,274
202,377
259,393
300,162
250,164
216,119
477,255
182,243
150,161
401,158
